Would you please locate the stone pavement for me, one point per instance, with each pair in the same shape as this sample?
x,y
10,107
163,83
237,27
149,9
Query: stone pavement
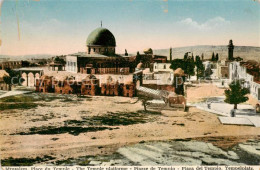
x,y
245,114
235,121
182,152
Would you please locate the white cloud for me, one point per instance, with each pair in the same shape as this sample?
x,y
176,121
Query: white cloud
x,y
209,24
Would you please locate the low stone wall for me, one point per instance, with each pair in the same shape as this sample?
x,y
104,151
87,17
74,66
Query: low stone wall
x,y
169,88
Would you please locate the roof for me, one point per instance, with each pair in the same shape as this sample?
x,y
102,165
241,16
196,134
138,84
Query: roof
x,y
101,37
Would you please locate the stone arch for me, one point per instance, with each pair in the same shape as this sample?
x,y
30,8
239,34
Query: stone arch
x,y
24,76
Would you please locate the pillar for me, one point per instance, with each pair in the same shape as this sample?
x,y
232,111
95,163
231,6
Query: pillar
x,y
27,79
34,79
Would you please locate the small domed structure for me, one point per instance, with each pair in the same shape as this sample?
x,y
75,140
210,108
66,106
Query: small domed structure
x,y
179,72
148,51
100,41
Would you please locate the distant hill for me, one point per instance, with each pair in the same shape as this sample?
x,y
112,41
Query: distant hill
x,y
25,57
246,52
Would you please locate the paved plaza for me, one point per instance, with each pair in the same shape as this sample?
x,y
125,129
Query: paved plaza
x,y
244,115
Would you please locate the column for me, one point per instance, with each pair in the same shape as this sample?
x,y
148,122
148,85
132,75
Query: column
x,y
34,76
27,79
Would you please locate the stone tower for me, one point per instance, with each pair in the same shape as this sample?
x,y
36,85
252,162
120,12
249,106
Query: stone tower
x,y
230,50
171,54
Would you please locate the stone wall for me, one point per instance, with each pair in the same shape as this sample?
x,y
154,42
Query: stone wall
x,y
85,87
169,88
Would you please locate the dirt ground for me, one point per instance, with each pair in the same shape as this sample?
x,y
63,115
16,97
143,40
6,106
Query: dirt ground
x,y
63,126
197,93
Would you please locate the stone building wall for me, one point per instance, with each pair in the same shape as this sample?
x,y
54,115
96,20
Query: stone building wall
x,y
169,88
45,85
10,64
85,87
110,89
90,87
63,87
129,90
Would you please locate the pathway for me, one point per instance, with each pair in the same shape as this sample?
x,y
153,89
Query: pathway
x,y
12,93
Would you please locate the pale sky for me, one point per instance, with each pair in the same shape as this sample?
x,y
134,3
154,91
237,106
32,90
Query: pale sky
x,y
62,26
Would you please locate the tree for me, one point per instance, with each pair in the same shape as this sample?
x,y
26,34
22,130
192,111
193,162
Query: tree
x,y
236,93
138,58
144,98
189,66
200,67
197,58
213,57
202,56
13,78
59,60
185,56
177,63
25,63
216,58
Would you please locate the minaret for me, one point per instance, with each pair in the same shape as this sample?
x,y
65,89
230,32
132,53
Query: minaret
x,y
170,54
230,50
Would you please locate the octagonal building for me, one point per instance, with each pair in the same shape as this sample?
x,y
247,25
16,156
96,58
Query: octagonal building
x,y
101,41
100,56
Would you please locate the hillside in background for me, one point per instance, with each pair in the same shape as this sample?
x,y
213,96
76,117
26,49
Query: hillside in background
x,y
25,57
246,52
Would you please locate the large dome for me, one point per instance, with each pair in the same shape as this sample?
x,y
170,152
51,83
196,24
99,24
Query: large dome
x,y
101,37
